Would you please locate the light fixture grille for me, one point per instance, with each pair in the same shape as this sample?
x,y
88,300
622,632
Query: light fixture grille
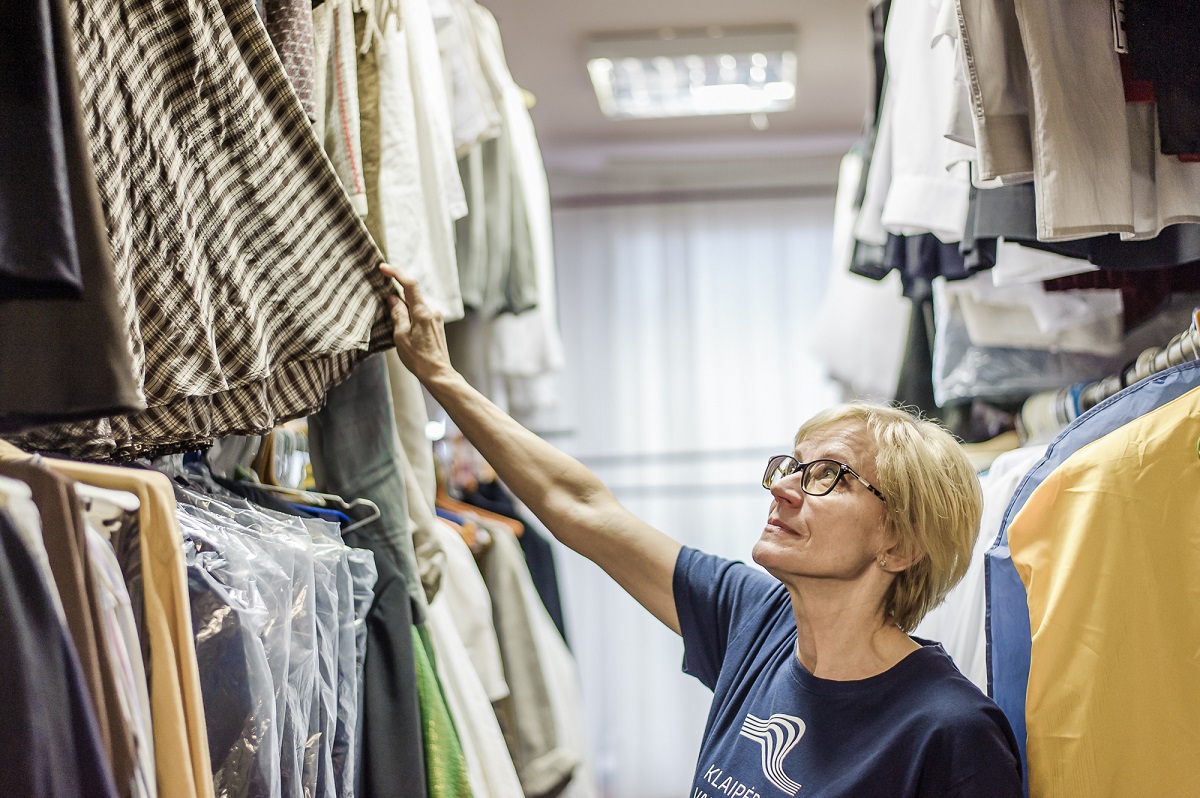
x,y
646,76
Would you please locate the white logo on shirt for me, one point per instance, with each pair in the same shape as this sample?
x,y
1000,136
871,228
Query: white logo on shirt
x,y
777,736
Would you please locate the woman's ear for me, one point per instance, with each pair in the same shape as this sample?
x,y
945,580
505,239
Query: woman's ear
x,y
898,557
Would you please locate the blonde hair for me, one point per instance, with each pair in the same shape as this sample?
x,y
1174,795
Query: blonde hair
x,y
933,501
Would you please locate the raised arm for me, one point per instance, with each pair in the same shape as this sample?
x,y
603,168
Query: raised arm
x,y
568,498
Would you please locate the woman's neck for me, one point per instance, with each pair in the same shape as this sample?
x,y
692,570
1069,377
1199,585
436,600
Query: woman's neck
x,y
845,636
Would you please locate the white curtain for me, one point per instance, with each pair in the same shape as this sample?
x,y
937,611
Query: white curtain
x,y
687,329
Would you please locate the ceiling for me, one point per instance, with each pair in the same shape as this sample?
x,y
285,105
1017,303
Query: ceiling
x,y
545,42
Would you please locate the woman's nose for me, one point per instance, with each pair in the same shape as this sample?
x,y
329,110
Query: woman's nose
x,y
787,489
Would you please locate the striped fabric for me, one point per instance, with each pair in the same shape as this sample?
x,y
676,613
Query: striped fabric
x,y
248,282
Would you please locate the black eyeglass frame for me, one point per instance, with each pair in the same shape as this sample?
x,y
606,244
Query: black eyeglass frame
x,y
802,469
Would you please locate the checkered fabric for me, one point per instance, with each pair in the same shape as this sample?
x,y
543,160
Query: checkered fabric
x,y
248,282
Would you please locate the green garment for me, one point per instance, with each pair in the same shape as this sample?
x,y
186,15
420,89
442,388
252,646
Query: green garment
x,y
445,766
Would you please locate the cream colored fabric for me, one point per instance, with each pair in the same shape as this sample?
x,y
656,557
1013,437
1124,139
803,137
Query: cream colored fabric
x,y
490,769
419,186
180,737
467,597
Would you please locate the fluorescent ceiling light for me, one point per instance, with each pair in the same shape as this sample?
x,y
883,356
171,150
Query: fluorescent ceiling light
x,y
694,73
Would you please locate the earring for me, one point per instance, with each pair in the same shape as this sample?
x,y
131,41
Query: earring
x,y
883,563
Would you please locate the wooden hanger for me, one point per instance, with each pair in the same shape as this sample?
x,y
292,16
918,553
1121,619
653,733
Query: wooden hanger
x,y
444,501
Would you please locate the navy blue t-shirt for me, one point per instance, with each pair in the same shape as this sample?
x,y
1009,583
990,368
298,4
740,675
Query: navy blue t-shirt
x,y
920,728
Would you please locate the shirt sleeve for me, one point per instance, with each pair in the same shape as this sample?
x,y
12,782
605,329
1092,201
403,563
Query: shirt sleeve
x,y
977,758
712,597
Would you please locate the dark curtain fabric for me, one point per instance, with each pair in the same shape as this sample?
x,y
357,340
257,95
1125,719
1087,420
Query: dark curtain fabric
x,y
393,753
48,730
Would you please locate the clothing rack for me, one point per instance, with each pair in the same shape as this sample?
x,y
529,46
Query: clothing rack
x,y
1045,414
1182,348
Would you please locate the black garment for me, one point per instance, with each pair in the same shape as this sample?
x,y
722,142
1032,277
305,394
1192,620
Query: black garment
x,y
1009,212
539,554
38,255
915,384
232,663
48,732
263,498
920,259
59,360
393,752
867,259
1162,39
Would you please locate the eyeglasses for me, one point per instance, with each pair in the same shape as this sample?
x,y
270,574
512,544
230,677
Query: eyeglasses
x,y
816,478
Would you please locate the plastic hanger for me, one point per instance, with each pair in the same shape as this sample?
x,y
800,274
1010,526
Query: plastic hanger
x,y
318,499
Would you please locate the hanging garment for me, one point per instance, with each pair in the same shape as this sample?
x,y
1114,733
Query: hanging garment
x,y
562,680
180,739
1008,213
910,190
47,727
39,258
874,315
1162,51
1029,317
290,25
920,259
960,621
470,611
356,452
543,763
345,743
419,203
998,78
229,616
465,648
495,240
59,361
248,282
123,648
65,536
1008,628
445,767
474,116
538,551
1096,160
363,578
1107,548
336,89
393,751
17,500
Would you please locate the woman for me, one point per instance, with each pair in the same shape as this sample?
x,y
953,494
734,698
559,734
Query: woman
x,y
818,688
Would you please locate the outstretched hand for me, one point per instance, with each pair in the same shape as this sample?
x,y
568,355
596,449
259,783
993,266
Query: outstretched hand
x,y
418,332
